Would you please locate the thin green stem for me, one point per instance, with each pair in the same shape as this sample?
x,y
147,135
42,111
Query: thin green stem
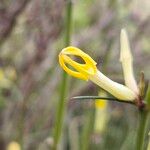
x,y
141,129
105,98
61,107
87,130
68,22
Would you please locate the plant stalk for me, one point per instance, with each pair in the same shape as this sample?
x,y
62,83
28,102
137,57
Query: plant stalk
x,y
143,115
104,98
61,107
87,130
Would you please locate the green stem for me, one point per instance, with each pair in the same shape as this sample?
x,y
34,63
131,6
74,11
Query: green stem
x,y
87,130
61,107
99,97
141,129
68,22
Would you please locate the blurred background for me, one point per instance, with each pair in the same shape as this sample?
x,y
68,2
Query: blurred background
x,y
31,37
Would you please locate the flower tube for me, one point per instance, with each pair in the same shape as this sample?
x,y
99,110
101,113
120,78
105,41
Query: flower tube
x,y
89,71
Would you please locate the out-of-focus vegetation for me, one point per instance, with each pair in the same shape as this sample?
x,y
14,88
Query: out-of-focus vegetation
x,y
32,34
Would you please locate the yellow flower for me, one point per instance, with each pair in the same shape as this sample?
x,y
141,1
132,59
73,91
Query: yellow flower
x,y
83,70
89,71
13,146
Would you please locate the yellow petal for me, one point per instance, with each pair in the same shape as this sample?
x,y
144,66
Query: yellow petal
x,y
82,70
